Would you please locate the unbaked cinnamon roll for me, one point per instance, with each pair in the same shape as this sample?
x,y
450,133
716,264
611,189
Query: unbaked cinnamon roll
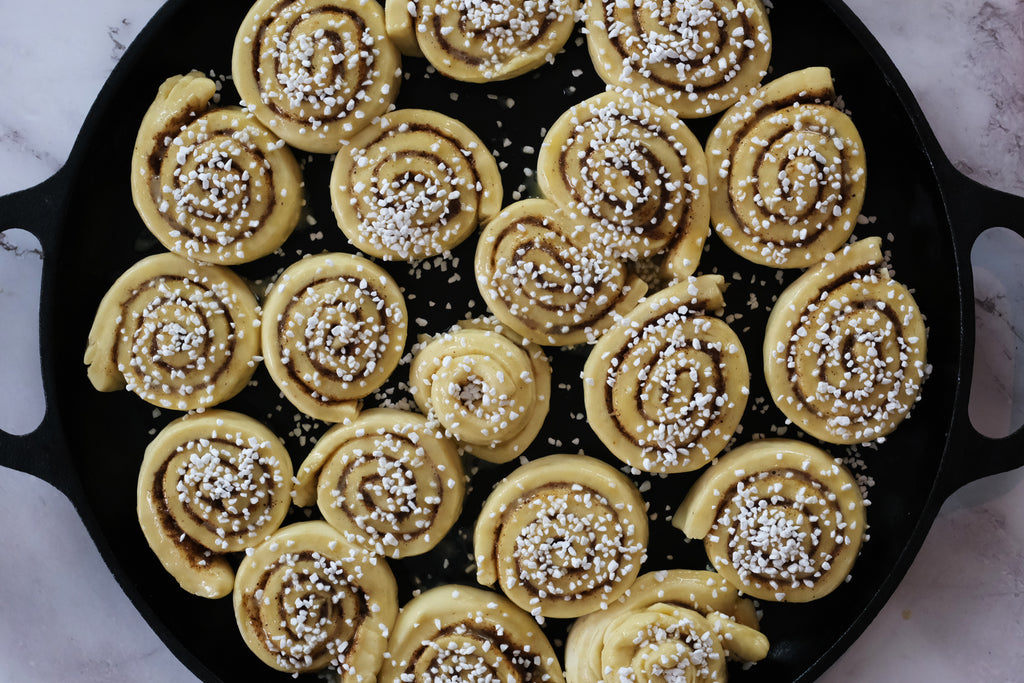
x,y
666,386
211,483
481,40
695,58
315,71
307,600
414,184
666,601
458,633
633,172
563,536
844,350
212,183
386,480
181,336
781,520
540,275
489,388
787,172
334,328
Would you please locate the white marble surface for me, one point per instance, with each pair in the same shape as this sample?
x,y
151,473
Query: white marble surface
x,y
958,615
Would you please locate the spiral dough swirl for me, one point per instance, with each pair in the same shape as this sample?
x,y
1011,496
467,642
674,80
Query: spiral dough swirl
x,y
636,173
414,184
334,327
695,57
212,184
179,335
458,633
315,71
489,391
787,172
665,388
563,536
211,483
306,599
386,480
844,350
781,520
542,277
480,41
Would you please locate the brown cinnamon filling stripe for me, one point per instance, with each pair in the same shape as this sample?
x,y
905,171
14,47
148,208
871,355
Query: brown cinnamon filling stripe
x,y
527,663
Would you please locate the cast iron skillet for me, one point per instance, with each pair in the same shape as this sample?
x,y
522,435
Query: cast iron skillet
x,y
89,445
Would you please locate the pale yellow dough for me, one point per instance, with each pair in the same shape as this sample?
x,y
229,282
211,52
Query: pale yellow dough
x,y
212,183
334,329
788,172
695,58
665,387
211,483
781,520
845,347
558,510
180,335
306,600
635,174
488,387
387,481
459,633
414,184
481,41
542,276
316,71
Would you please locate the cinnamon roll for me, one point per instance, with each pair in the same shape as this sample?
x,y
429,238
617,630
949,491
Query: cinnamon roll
x,y
563,536
667,600
307,600
387,481
666,386
695,58
635,173
334,329
488,387
315,71
540,275
781,520
211,483
414,184
787,172
481,40
458,633
212,183
181,336
844,350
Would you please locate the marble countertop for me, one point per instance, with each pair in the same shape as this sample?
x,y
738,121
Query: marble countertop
x,y
959,613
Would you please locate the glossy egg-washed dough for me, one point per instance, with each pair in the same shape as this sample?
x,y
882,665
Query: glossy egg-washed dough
x,y
387,480
211,483
414,184
665,387
212,183
334,328
488,387
781,520
180,335
788,172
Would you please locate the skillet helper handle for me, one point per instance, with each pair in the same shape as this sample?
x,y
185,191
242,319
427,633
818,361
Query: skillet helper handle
x,y
974,208
38,211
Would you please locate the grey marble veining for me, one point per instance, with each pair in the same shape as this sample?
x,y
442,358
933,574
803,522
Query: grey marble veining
x,y
958,614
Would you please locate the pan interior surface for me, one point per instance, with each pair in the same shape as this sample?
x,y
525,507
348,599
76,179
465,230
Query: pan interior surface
x,y
107,433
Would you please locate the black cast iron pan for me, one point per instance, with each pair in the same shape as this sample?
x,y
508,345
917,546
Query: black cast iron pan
x,y
89,445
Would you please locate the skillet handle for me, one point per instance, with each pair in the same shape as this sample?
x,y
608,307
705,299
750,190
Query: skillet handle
x,y
973,209
37,210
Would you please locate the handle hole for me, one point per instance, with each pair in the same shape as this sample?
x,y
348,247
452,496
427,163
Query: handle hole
x,y
996,405
21,266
